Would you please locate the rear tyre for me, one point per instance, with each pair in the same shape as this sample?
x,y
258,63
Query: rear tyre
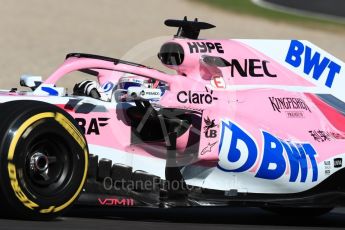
x,y
43,160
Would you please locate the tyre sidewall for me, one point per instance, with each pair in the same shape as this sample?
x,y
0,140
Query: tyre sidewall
x,y
14,186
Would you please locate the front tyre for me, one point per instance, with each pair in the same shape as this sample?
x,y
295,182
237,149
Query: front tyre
x,y
43,160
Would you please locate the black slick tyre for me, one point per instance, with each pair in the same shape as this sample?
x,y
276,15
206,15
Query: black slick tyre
x,y
43,160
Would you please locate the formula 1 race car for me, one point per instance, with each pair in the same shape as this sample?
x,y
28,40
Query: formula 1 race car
x,y
243,122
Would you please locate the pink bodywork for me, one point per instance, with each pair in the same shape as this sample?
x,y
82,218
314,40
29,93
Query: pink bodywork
x,y
250,107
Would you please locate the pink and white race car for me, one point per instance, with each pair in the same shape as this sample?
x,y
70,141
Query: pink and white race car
x,y
242,122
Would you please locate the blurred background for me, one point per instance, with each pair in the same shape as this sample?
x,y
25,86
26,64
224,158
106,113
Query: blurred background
x,y
37,34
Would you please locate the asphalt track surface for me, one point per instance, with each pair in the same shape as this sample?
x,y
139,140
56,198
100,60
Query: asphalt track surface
x,y
179,218
327,7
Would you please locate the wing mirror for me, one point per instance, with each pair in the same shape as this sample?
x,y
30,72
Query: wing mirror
x,y
215,61
30,81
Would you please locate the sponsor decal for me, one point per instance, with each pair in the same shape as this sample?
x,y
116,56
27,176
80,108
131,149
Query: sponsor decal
x,y
209,130
205,47
251,68
108,86
291,106
208,148
327,167
288,103
132,80
116,202
238,152
218,82
322,136
196,97
294,114
338,162
150,93
312,62
92,127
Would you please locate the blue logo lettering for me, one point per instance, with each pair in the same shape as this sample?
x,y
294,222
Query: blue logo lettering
x,y
310,151
273,164
297,160
238,152
313,62
108,86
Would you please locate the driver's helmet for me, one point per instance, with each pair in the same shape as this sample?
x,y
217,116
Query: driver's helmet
x,y
130,81
138,86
